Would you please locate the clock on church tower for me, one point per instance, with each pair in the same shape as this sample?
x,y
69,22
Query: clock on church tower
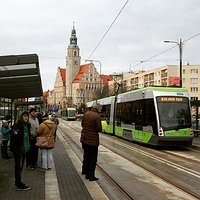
x,y
73,41
75,62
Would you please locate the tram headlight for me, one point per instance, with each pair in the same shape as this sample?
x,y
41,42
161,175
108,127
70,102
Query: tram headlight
x,y
160,132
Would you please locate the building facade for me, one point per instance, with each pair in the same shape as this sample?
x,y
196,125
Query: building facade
x,y
191,80
59,92
162,76
85,84
76,84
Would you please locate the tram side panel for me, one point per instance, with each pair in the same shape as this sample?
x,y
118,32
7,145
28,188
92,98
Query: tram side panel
x,y
136,120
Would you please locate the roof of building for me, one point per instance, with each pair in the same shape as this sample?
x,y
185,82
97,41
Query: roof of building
x,y
106,79
83,69
46,94
20,76
63,75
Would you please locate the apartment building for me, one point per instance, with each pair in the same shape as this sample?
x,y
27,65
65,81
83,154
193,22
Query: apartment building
x,y
162,76
191,80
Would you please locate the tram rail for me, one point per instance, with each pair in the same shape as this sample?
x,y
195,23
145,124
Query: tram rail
x,y
153,171
101,170
182,157
194,148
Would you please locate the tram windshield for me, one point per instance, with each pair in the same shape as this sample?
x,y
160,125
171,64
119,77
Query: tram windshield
x,y
174,112
71,113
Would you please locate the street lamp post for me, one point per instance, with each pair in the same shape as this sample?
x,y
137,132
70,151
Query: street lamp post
x,y
100,70
180,44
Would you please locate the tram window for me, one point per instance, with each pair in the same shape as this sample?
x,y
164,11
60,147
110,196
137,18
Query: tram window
x,y
139,113
119,113
149,112
124,113
105,113
133,112
127,113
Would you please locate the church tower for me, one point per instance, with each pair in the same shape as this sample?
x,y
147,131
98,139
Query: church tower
x,y
72,62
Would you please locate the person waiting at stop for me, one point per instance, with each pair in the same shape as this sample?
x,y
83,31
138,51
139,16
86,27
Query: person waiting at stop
x,y
91,124
32,155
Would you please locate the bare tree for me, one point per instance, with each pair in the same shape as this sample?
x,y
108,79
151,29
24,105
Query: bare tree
x,y
104,92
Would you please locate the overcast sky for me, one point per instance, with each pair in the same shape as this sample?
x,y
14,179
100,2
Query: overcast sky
x,y
44,27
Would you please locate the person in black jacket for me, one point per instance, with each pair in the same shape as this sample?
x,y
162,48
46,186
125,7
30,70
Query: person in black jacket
x,y
20,144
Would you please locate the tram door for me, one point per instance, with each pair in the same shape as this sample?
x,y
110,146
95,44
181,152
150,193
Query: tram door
x,y
139,119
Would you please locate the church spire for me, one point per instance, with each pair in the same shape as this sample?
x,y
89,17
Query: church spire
x,y
73,38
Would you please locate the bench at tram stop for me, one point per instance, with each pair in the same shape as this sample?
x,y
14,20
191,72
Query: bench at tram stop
x,y
196,132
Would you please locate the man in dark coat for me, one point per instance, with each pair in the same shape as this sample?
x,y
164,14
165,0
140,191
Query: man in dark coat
x,y
91,124
32,154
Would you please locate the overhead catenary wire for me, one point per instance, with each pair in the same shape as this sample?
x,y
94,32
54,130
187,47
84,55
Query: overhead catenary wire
x,y
192,37
143,61
108,29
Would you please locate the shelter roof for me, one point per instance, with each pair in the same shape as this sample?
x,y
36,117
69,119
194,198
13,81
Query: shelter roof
x,y
20,76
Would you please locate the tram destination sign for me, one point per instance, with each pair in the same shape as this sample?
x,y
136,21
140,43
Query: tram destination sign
x,y
171,99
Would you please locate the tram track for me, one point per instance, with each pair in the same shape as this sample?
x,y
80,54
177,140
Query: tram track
x,y
128,197
162,160
194,149
100,170
183,158
166,152
152,169
160,175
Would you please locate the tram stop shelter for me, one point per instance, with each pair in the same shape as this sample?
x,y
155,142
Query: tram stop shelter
x,y
20,77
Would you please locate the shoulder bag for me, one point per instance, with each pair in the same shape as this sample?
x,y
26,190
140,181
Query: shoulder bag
x,y
42,142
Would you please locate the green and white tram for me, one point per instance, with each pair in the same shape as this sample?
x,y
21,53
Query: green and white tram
x,y
69,114
152,115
